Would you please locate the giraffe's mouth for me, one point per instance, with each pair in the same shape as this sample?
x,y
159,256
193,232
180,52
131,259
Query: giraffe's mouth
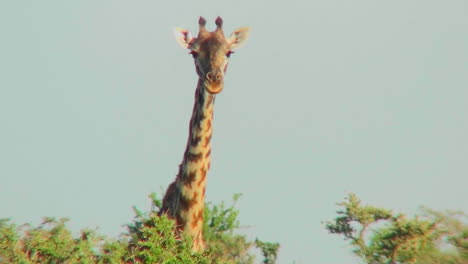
x,y
214,87
214,83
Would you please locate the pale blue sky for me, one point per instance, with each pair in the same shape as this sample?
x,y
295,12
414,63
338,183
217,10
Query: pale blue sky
x,y
326,97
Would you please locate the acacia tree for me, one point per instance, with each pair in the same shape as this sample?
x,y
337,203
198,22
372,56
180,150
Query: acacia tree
x,y
399,239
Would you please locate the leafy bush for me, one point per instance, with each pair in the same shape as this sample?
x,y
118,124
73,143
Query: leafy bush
x,y
149,239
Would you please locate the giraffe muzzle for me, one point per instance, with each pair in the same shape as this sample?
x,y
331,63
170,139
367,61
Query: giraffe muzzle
x,y
214,82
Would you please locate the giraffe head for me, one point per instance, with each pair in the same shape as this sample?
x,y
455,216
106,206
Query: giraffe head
x,y
211,51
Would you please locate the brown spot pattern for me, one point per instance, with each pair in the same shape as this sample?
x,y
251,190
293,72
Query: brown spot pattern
x,y
194,157
207,140
201,118
194,222
167,204
200,215
202,176
190,178
187,203
195,140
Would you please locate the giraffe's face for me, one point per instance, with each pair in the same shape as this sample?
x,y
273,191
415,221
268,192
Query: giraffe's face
x,y
211,51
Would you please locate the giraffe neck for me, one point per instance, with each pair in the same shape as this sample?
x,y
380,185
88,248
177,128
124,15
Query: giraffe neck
x,y
191,179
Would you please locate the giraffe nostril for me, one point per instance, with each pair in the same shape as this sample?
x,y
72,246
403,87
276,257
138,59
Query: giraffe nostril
x,y
214,77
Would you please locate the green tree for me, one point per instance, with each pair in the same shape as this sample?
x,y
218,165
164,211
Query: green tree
x,y
379,236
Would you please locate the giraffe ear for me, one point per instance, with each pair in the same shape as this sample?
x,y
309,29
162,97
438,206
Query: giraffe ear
x,y
183,37
238,37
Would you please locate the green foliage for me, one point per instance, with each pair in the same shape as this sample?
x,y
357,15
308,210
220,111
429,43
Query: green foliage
x,y
150,239
354,221
403,240
398,239
269,251
452,232
219,226
50,242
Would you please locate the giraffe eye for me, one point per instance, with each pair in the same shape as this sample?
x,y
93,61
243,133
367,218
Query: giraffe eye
x,y
194,54
228,54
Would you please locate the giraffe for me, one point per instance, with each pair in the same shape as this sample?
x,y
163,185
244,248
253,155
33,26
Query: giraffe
x,y
185,197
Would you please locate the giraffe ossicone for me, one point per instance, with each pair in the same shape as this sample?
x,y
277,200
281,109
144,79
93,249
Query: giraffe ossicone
x,y
185,197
